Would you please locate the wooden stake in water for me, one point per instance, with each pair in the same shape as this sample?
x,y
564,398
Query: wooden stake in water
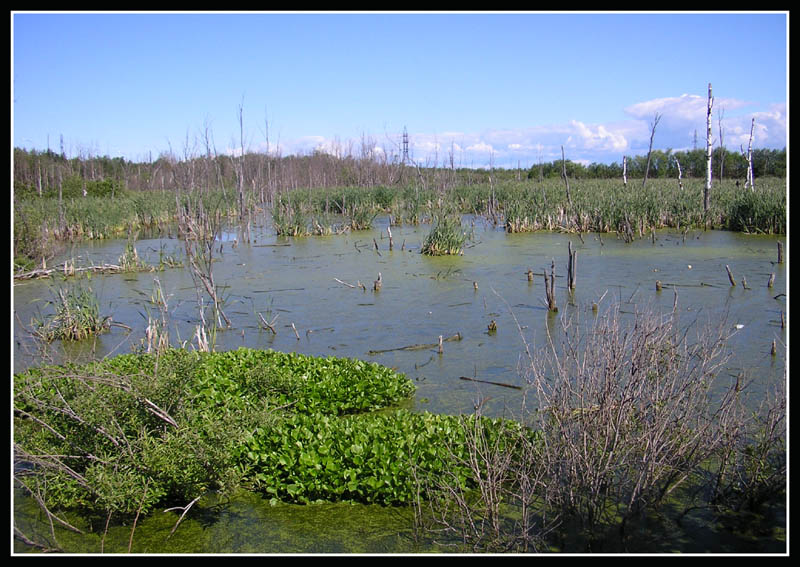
x,y
571,266
730,276
549,287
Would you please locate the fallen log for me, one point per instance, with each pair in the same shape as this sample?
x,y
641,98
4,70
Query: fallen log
x,y
456,337
44,273
503,384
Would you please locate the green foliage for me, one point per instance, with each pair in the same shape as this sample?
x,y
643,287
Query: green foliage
x,y
287,219
758,211
446,237
77,315
367,458
143,429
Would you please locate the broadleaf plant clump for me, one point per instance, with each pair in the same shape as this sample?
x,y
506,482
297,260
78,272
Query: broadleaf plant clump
x,y
132,433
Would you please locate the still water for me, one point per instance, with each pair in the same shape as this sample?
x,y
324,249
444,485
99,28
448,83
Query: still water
x,y
310,288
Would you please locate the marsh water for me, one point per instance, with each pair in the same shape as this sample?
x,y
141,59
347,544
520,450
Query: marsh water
x,y
309,287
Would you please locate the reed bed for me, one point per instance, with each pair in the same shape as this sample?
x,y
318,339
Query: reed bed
x,y
445,238
597,205
76,316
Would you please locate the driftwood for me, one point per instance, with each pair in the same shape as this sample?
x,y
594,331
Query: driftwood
x,y
730,276
456,337
47,272
504,385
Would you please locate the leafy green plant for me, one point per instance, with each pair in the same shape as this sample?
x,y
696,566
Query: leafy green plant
x,y
374,458
136,430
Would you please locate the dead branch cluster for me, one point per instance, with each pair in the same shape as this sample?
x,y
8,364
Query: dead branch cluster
x,y
625,413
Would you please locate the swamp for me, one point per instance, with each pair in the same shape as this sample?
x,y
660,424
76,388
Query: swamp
x,y
466,349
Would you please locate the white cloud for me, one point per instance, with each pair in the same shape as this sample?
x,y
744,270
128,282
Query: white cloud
x,y
599,137
481,147
681,118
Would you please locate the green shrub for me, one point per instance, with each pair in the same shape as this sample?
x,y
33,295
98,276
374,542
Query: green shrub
x,y
142,429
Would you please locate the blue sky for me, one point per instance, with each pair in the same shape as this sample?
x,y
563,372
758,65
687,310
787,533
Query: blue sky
x,y
491,88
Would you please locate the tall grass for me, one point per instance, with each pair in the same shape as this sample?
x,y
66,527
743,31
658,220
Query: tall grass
x,y
600,205
77,316
446,237
40,224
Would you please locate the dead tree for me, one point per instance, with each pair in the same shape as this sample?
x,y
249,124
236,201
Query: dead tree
x,y
653,125
750,181
241,165
571,266
680,174
625,170
707,192
549,288
721,143
564,175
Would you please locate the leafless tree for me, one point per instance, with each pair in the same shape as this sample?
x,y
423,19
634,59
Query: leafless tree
x,y
707,191
720,116
653,125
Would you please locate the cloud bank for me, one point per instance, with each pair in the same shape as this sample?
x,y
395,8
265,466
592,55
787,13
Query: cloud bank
x,y
682,126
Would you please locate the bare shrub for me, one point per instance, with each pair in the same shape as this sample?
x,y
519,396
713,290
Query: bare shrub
x,y
628,413
619,414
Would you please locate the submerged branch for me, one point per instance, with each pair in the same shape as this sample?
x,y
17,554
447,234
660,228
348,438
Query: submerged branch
x,y
456,337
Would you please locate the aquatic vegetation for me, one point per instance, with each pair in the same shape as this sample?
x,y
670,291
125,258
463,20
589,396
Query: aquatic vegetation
x,y
445,237
367,458
130,261
132,431
77,315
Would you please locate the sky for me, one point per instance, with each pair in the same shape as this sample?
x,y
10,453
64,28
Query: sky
x,y
502,89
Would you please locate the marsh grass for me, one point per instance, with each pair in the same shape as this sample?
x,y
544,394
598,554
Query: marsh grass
x,y
446,237
597,205
130,261
77,315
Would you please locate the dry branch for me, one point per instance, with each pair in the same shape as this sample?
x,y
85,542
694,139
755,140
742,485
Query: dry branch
x,y
456,337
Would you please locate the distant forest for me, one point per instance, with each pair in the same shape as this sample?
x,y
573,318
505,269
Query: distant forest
x,y
52,174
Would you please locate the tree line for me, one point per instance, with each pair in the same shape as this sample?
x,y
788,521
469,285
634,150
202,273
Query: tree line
x,y
665,163
52,174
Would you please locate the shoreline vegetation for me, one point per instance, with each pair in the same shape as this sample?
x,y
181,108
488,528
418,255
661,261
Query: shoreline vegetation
x,y
59,200
123,437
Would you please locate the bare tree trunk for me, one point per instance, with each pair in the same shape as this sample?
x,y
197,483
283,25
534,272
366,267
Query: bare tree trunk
x,y
241,166
571,266
680,174
707,192
564,175
721,143
625,170
653,125
750,179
